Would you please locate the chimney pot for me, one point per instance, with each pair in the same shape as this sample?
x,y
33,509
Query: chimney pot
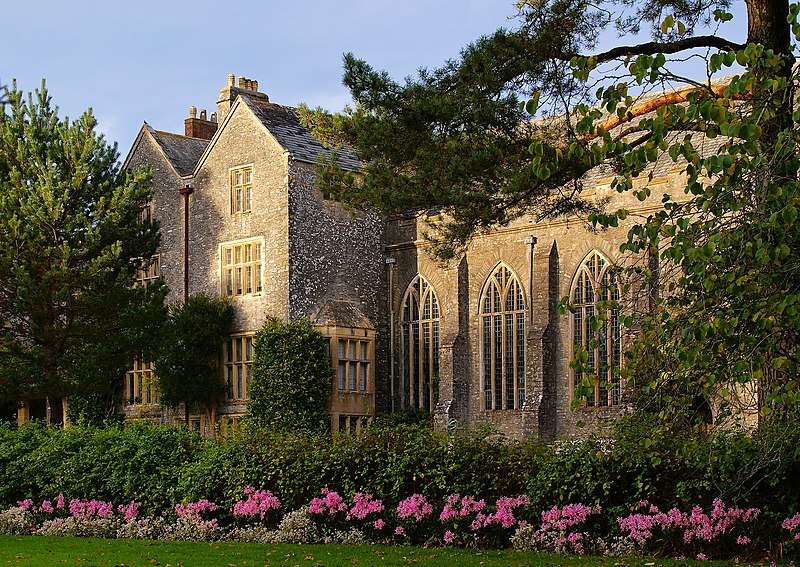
x,y
203,114
231,80
214,117
192,112
241,82
255,86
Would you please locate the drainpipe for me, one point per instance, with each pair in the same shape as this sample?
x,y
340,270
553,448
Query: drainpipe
x,y
186,191
531,241
391,262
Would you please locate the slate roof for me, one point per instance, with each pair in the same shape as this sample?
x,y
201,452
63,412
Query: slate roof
x,y
284,124
664,165
181,151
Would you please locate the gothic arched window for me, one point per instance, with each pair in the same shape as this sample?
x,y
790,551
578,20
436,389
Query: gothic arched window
x,y
419,329
503,341
594,282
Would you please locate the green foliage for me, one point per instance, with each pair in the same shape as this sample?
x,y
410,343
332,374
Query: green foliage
x,y
458,138
97,409
392,462
188,361
405,416
70,240
141,462
161,466
291,377
723,323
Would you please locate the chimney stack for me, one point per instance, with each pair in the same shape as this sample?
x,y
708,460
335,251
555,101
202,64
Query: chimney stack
x,y
236,86
200,127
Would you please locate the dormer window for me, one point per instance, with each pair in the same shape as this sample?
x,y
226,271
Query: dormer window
x,y
242,189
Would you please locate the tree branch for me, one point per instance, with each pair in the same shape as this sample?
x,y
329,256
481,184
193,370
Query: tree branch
x,y
653,47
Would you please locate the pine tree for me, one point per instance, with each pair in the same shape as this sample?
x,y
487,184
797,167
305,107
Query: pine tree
x,y
459,138
71,240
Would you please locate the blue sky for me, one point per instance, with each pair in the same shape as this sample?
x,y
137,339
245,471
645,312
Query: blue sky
x,y
150,60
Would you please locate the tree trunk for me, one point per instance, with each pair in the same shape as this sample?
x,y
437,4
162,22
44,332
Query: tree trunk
x,y
766,24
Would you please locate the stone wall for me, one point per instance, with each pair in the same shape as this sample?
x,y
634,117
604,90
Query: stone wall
x,y
167,209
336,255
544,256
242,142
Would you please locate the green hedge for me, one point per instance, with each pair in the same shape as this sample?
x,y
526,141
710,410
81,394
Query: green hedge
x,y
160,466
291,377
390,462
142,463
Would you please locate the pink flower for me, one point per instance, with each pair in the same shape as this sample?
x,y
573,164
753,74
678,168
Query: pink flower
x,y
60,501
25,504
793,524
46,507
330,503
317,506
398,530
130,510
449,537
364,504
378,524
192,510
89,508
696,525
415,506
702,557
257,504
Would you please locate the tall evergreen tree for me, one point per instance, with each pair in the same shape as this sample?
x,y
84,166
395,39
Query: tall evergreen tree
x,y
458,139
71,240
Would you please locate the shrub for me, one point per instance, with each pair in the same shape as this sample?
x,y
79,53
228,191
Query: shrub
x,y
298,527
722,532
192,525
563,530
291,377
16,521
187,362
257,504
158,466
141,463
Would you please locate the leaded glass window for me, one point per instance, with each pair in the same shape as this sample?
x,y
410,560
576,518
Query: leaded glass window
x,y
503,341
594,282
419,330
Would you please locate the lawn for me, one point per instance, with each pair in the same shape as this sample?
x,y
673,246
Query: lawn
x,y
41,551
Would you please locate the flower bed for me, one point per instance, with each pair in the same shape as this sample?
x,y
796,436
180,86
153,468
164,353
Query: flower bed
x,y
461,520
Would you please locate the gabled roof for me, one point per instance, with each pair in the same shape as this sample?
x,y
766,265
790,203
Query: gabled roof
x,y
341,314
284,124
181,151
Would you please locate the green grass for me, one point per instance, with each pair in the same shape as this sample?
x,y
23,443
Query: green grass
x,y
53,551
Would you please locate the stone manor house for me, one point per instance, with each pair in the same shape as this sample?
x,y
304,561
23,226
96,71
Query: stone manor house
x,y
476,342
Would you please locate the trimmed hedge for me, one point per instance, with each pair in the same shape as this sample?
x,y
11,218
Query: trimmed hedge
x,y
291,377
142,463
